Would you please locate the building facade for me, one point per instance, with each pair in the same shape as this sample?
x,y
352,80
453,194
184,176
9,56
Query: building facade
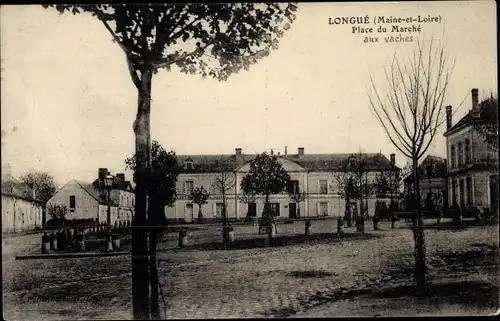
x,y
472,166
433,183
21,211
312,175
89,200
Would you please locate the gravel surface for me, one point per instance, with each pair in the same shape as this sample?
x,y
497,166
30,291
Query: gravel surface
x,y
324,276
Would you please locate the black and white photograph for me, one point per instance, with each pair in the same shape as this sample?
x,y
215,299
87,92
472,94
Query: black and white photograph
x,y
249,160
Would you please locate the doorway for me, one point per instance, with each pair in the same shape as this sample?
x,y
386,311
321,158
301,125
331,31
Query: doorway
x,y
292,210
252,209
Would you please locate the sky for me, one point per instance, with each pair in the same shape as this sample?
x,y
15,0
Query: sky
x,y
68,102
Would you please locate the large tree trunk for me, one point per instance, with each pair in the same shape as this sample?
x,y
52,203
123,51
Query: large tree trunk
x,y
140,280
155,212
418,236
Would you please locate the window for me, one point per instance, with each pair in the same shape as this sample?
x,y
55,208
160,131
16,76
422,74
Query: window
x,y
468,185
462,193
467,152
460,154
72,203
293,187
322,209
189,166
188,187
218,209
23,218
454,192
275,208
323,186
453,157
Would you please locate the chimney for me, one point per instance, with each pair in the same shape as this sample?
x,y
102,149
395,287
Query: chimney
x,y
102,172
121,176
272,152
475,101
301,151
448,117
237,151
286,151
393,159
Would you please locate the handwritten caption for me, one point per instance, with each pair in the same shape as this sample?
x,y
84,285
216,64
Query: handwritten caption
x,y
386,29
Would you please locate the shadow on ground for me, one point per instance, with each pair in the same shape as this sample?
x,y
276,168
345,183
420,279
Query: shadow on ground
x,y
397,282
282,240
470,294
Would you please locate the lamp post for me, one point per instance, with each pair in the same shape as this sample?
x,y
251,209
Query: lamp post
x,y
108,182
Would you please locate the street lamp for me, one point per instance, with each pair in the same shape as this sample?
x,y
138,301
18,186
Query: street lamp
x,y
108,182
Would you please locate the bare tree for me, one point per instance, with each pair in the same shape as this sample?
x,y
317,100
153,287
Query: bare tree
x,y
223,183
410,107
297,196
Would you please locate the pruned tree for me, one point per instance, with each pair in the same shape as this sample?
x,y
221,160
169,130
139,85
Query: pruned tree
x,y
161,192
387,184
356,169
199,195
410,108
297,196
265,177
487,124
57,211
213,40
346,187
223,183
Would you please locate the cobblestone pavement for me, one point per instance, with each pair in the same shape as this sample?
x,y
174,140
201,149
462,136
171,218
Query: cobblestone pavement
x,y
298,280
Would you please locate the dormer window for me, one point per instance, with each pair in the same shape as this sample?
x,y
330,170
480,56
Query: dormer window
x,y
189,164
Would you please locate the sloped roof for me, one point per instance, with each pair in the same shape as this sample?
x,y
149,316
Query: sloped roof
x,y
485,109
118,183
12,187
95,193
311,162
439,168
433,159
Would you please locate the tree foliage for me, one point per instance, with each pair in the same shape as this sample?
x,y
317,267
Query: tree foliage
x,y
57,211
209,39
165,170
265,177
199,195
247,198
487,125
347,186
42,183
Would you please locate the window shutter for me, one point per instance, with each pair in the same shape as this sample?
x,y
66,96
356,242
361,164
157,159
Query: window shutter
x,y
317,209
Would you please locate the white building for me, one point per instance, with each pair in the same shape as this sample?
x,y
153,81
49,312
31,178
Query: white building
x,y
312,173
